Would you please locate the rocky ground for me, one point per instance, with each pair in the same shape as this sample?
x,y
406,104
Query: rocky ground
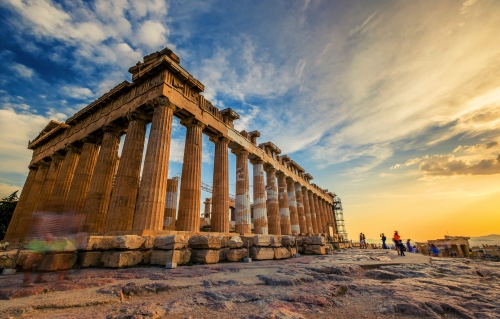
x,y
347,284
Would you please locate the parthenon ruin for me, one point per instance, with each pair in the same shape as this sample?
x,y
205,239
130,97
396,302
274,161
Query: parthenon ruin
x,y
75,166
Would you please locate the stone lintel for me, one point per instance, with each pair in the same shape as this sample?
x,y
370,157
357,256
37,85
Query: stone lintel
x,y
229,115
253,136
53,127
270,146
297,166
285,158
308,176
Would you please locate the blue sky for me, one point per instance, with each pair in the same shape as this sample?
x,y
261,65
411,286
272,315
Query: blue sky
x,y
393,105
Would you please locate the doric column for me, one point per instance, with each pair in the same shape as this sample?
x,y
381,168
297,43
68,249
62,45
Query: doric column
x,y
171,203
66,175
190,198
300,208
334,219
273,210
35,190
259,198
319,219
243,222
83,175
97,200
208,212
220,191
286,228
50,181
307,211
153,189
20,210
292,205
324,216
120,215
312,208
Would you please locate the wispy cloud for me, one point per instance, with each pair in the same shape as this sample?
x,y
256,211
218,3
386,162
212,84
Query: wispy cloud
x,y
22,70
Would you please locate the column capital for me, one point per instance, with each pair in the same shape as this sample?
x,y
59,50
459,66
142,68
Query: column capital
x,y
113,128
160,102
137,115
281,174
240,151
219,139
91,139
191,121
269,168
73,148
290,180
257,160
57,156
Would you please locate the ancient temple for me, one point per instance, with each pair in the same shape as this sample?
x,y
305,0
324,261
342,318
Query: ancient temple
x,y
75,166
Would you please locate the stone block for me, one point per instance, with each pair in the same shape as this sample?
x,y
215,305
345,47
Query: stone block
x,y
313,240
89,259
275,240
223,253
224,240
261,253
315,250
34,257
288,240
281,253
237,254
162,257
148,242
170,242
292,250
117,259
247,241
53,262
146,256
302,249
6,258
127,242
207,256
6,272
205,242
96,243
235,242
261,240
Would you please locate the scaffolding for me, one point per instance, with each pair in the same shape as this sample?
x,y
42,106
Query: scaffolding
x,y
204,186
339,217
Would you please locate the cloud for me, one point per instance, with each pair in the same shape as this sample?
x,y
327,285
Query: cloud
x,y
407,163
77,92
152,33
476,148
22,70
361,27
449,165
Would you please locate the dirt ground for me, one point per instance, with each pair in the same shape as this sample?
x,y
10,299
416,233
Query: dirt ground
x,y
348,284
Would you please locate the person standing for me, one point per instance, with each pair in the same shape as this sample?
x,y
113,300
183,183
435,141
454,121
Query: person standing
x,y
361,243
364,241
408,246
384,246
396,238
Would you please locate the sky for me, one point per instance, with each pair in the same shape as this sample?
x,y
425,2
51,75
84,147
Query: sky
x,y
392,105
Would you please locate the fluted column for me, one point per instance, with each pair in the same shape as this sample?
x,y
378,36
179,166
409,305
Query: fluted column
x,y
286,228
153,190
312,208
220,192
243,222
83,175
292,205
49,183
66,175
25,223
323,215
20,210
190,198
208,210
307,211
97,200
171,203
120,215
273,211
300,208
260,225
319,219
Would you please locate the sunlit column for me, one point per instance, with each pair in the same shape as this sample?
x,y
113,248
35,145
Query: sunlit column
x,y
243,222
292,206
273,212
312,208
65,177
50,181
219,221
260,225
286,228
319,221
307,211
300,208
171,203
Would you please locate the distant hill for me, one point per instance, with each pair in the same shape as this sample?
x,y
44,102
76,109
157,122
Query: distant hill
x,y
492,239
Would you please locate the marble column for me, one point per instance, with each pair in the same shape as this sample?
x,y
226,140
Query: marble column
x,y
190,197
171,203
319,220
207,203
120,215
323,215
292,205
260,225
25,224
150,205
48,185
65,178
97,200
286,228
312,207
273,212
20,210
300,208
307,211
220,191
83,175
243,222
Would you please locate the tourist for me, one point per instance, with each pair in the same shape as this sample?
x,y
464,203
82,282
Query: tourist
x,y
396,239
384,246
434,250
361,241
409,247
402,248
415,249
364,241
